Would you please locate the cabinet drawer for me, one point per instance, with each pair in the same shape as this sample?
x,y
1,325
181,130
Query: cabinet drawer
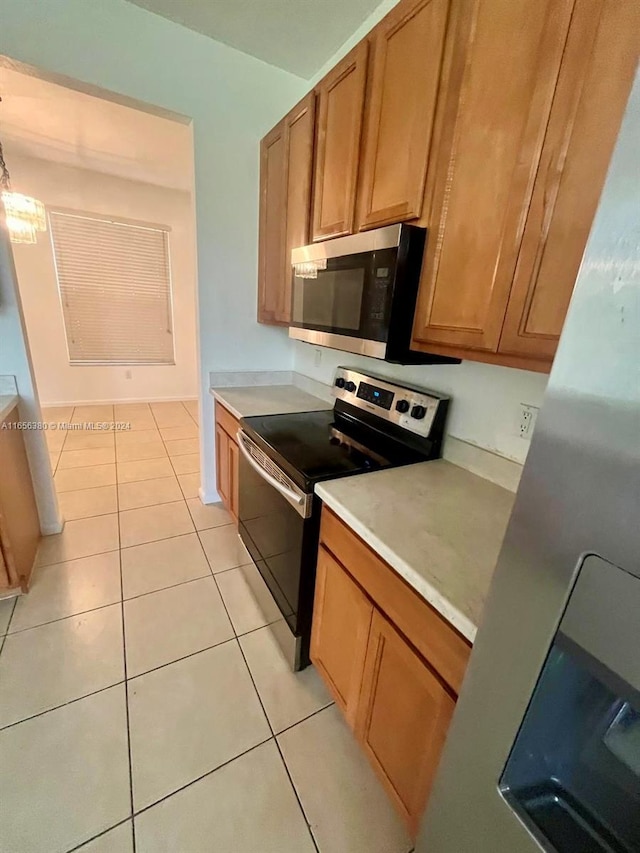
x,y
440,644
227,421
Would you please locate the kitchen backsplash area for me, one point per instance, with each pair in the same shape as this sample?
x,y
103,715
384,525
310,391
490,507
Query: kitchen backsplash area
x,y
486,399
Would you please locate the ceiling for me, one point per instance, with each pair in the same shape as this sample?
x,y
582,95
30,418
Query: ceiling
x,y
55,123
296,35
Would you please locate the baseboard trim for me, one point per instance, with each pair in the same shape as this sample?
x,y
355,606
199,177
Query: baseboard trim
x,y
52,529
112,402
211,497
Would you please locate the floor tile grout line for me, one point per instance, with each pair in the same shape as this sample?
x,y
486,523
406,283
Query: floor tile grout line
x,y
114,603
304,719
126,680
182,658
266,716
150,542
6,634
200,778
123,681
61,705
82,844
284,763
19,631
297,795
175,473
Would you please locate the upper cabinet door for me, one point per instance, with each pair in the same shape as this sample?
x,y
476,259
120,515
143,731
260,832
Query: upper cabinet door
x,y
299,133
596,77
499,82
407,48
339,127
273,184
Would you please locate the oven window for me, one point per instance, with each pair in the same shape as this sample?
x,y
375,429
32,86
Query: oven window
x,y
346,296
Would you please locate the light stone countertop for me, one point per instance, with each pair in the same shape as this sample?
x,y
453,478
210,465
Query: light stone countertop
x,y
8,402
439,526
268,400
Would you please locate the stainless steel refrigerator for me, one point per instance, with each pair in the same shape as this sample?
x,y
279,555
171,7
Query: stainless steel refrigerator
x,y
544,748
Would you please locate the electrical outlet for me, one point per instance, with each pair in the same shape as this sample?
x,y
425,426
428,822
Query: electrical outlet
x,y
528,418
127,374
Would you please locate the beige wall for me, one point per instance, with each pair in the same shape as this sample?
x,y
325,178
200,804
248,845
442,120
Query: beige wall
x,y
78,189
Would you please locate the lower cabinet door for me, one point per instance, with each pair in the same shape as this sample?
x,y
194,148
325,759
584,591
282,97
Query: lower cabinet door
x,y
341,622
403,717
223,471
234,493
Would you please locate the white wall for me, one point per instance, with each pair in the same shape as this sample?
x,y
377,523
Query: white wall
x,y
89,191
15,361
485,406
233,100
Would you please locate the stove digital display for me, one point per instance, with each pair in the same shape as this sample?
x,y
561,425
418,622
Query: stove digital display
x,y
377,396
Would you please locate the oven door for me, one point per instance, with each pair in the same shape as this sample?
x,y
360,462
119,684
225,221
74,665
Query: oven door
x,y
343,291
274,519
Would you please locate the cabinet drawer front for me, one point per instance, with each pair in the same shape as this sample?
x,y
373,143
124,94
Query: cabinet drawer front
x,y
407,52
403,718
339,127
501,81
229,423
440,644
340,631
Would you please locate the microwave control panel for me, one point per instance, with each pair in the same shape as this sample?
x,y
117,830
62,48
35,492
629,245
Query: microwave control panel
x,y
411,408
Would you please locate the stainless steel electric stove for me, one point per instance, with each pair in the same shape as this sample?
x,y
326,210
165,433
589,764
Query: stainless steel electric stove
x,y
374,424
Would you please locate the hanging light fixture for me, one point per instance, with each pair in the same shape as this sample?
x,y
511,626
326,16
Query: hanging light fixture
x,y
25,216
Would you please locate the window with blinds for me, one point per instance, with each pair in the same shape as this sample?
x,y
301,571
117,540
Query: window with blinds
x,y
114,279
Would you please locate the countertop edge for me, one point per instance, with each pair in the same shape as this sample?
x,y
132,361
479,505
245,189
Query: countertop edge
x,y
8,402
219,396
431,595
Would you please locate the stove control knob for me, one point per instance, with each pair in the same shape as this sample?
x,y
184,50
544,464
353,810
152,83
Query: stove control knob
x,y
402,406
418,412
350,386
340,383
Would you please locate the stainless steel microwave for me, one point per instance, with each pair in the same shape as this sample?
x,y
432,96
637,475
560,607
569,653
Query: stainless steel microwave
x,y
358,293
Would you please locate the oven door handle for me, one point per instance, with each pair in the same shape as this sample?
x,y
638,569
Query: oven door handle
x,y
299,502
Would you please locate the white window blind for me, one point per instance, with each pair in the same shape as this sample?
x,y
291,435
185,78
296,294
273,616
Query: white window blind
x,y
115,288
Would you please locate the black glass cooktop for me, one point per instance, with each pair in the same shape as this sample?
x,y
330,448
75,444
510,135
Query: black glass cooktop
x,y
314,446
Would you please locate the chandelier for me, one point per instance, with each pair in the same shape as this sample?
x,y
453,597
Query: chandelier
x,y
25,216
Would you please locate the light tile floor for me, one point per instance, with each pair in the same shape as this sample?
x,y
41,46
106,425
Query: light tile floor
x,y
144,704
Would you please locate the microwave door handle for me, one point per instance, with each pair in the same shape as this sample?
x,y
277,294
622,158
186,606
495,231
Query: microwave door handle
x,y
297,500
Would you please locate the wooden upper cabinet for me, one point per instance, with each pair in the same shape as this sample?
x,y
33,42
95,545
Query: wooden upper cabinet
x,y
341,97
498,86
286,162
271,246
595,80
299,134
403,719
406,59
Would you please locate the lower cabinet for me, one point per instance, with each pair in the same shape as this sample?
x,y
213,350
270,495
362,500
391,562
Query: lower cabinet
x,y
393,665
227,458
340,632
403,717
19,521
